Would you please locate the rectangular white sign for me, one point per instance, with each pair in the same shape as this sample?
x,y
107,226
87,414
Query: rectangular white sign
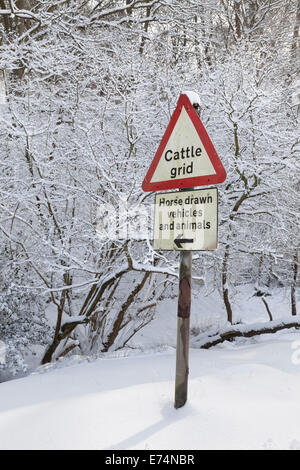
x,y
186,220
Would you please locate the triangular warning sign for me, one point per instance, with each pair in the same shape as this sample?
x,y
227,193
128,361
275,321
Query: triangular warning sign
x,y
186,156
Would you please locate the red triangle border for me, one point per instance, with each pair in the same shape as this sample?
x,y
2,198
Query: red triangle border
x,y
207,180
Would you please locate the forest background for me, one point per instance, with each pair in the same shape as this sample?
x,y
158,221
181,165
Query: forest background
x,y
87,89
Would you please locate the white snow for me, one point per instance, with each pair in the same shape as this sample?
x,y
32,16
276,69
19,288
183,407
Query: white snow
x,y
241,396
192,96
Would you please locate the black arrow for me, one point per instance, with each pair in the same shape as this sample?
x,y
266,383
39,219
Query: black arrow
x,y
179,241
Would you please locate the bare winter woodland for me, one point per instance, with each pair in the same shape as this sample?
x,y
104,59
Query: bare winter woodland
x,y
87,89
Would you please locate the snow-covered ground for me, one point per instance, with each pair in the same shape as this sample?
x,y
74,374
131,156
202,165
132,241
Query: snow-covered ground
x,y
208,313
241,396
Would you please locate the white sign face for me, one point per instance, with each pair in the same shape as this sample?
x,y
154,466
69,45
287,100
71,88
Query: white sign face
x,y
184,155
186,220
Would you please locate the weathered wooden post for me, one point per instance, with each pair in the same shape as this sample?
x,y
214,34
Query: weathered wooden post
x,y
183,328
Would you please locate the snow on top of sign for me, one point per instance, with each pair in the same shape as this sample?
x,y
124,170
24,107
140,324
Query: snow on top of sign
x,y
192,96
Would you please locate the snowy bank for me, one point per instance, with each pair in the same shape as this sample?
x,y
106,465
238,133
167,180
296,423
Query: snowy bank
x,y
240,397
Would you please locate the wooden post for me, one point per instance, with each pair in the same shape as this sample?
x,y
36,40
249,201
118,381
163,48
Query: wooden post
x,y
183,328
183,321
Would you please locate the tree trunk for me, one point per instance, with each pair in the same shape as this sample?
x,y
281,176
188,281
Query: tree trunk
x,y
225,285
295,44
208,342
121,315
267,308
294,283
